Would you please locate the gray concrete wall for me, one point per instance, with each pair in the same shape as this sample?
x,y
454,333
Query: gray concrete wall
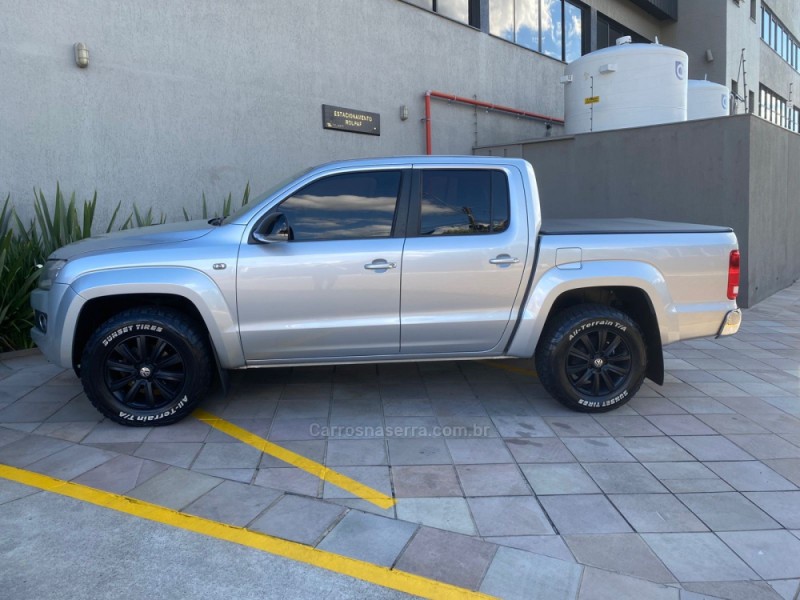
x,y
774,208
736,171
701,27
188,96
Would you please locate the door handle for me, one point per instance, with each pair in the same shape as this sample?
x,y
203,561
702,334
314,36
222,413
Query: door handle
x,y
504,259
380,265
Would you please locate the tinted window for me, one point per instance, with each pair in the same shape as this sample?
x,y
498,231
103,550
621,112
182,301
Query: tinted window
x,y
347,206
463,202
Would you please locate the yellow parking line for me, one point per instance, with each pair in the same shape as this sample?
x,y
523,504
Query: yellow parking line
x,y
383,576
301,462
498,364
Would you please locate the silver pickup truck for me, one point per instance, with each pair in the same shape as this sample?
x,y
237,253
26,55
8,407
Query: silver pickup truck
x,y
380,260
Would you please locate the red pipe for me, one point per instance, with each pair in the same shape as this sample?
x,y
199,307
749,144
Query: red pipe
x,y
488,105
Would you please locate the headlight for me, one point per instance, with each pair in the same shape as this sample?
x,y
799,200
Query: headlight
x,y
50,272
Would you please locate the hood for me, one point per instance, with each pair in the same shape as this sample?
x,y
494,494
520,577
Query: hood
x,y
143,236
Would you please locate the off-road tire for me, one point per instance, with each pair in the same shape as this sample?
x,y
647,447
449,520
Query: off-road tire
x,y
147,366
592,358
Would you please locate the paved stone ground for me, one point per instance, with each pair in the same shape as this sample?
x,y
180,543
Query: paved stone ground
x,y
690,490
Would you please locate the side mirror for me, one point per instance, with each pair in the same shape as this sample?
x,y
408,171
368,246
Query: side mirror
x,y
274,230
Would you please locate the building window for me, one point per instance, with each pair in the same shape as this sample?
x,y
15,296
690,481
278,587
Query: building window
x,y
774,109
557,28
778,37
608,31
464,11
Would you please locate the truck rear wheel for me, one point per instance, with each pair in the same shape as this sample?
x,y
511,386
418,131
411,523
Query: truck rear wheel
x,y
147,366
592,358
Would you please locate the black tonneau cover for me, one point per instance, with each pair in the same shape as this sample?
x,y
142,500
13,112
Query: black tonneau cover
x,y
623,226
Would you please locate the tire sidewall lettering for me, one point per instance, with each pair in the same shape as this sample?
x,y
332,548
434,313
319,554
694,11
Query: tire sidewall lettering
x,y
133,328
157,417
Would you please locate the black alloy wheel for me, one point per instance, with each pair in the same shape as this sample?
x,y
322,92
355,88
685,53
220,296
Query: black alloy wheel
x,y
145,372
598,363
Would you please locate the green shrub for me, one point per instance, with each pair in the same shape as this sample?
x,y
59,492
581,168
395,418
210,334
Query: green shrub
x,y
24,247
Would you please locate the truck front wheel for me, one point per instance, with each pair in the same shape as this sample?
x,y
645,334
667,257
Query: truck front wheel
x,y
591,358
146,366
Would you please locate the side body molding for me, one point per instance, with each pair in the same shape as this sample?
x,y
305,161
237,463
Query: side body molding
x,y
553,282
218,314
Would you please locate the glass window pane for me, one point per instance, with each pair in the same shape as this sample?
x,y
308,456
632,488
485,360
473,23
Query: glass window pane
x,y
501,18
347,206
455,9
527,23
500,210
459,202
552,42
573,30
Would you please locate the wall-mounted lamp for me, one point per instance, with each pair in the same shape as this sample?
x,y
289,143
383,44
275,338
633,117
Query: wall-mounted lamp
x,y
81,55
709,56
404,113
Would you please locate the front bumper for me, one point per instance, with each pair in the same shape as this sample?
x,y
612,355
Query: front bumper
x,y
731,323
60,305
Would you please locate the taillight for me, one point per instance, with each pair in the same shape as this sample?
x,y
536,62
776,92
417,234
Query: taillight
x,y
733,275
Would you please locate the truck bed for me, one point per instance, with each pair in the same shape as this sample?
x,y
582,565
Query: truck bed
x,y
622,226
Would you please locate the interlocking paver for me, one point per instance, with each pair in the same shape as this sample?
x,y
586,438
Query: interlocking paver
x,y
655,449
727,511
771,554
787,467
515,574
29,449
656,513
289,479
621,552
449,557
577,426
299,519
177,454
698,557
711,448
547,545
356,452
731,423
419,451
451,514
71,462
750,476
492,480
624,478
603,585
426,481
583,514
597,449
509,515
121,474
552,479
233,503
69,431
174,488
377,540
230,456
784,507
623,426
473,451
376,477
680,425
539,450
731,590
765,446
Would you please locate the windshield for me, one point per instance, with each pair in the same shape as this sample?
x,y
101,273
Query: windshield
x,y
258,200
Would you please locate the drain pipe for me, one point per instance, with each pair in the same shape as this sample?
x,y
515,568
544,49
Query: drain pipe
x,y
487,105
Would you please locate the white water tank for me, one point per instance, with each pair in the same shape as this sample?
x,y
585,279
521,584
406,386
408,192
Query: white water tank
x,y
706,100
628,85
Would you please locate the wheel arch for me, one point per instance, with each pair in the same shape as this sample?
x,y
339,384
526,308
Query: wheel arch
x,y
634,302
191,292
